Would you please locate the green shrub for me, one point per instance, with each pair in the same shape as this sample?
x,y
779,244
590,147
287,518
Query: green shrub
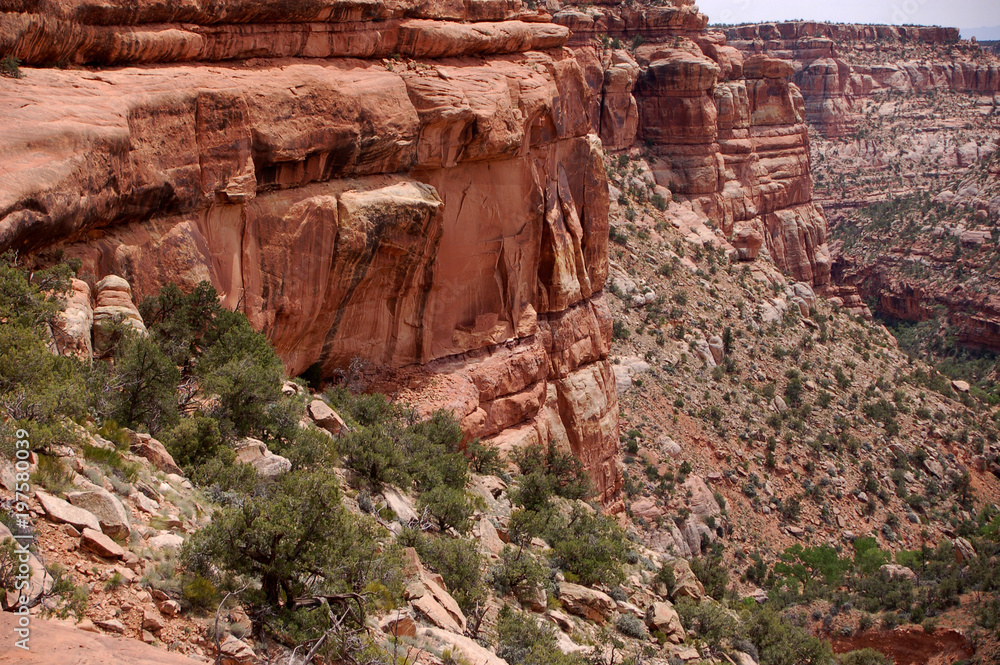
x,y
245,373
293,536
781,642
52,474
199,593
10,67
517,570
193,440
523,641
864,657
450,507
112,460
592,547
148,382
457,560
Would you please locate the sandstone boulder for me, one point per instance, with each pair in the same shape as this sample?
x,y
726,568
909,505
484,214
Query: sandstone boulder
x,y
146,446
325,417
468,649
98,543
108,510
61,511
151,620
399,624
964,552
427,593
588,603
896,571
255,453
686,583
717,348
234,651
662,617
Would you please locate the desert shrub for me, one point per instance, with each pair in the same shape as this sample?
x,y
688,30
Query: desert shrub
x,y
782,642
516,570
449,506
10,67
52,474
591,547
713,574
484,459
199,593
245,373
708,620
457,560
293,537
193,440
148,381
521,640
632,626
864,657
38,389
112,461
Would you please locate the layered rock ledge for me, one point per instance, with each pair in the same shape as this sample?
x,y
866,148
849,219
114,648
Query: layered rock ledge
x,y
440,214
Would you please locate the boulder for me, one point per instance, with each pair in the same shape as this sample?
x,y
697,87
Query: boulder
x,y
747,240
964,552
151,620
469,650
110,625
234,651
427,593
961,386
98,543
255,453
686,583
170,608
61,511
73,327
934,467
325,417
662,617
108,510
896,571
399,624
400,505
146,446
584,602
165,541
114,307
717,348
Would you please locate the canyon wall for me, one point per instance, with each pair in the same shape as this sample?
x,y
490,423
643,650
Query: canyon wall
x,y
836,66
440,214
418,186
724,135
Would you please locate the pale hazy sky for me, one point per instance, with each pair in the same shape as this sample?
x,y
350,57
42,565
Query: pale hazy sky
x,y
957,13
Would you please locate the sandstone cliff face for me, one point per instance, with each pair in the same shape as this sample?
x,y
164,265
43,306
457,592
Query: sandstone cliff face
x,y
444,218
839,65
726,135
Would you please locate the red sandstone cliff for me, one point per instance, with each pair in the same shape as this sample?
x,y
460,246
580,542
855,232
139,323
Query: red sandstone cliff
x,y
838,65
418,185
728,136
445,215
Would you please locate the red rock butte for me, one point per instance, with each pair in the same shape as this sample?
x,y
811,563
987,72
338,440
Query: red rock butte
x,y
418,185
